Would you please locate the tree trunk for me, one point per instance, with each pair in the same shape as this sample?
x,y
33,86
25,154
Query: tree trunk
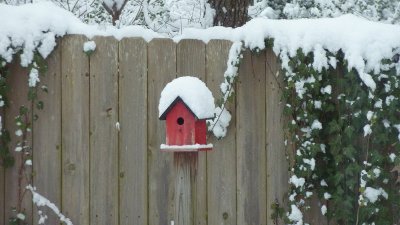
x,y
230,13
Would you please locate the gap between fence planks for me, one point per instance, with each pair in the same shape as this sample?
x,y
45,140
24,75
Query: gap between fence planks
x,y
110,174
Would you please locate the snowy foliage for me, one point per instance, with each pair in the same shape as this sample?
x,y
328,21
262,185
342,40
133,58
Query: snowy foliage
x,y
385,10
163,16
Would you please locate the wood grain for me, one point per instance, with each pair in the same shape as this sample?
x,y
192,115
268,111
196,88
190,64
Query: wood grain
x,y
221,162
47,137
161,70
191,61
75,129
277,166
103,132
251,152
185,187
2,182
18,96
133,134
103,175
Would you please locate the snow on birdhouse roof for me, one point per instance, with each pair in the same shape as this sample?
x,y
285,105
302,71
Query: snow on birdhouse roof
x,y
193,92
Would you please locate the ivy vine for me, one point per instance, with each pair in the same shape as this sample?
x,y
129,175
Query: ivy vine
x,y
345,135
23,121
346,140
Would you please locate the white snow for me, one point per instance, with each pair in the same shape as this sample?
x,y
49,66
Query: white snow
x,y
389,99
193,92
323,183
356,37
369,115
376,172
28,162
378,104
323,148
327,195
21,216
296,215
392,157
316,125
187,148
323,209
292,196
310,162
296,181
367,130
373,194
32,26
220,123
18,132
41,201
326,90
33,77
89,46
317,104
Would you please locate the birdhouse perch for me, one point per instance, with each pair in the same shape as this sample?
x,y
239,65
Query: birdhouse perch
x,y
185,104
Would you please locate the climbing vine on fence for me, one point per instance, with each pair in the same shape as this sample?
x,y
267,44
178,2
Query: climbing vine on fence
x,y
346,139
345,131
23,120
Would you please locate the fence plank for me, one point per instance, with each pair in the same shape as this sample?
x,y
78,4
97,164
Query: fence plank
x,y
47,137
221,162
191,62
161,70
277,166
133,118
75,130
17,97
103,132
251,156
2,183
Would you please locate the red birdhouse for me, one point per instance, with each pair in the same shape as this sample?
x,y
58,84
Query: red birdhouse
x,y
186,104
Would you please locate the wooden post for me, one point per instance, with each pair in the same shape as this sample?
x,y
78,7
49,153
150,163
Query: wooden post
x,y
185,186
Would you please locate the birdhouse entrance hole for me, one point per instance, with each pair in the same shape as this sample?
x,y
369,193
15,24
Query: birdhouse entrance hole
x,y
180,121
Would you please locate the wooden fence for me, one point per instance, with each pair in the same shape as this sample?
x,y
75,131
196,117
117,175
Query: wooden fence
x,y
99,174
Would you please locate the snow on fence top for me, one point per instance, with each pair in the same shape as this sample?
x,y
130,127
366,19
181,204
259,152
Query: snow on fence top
x,y
364,43
193,92
35,26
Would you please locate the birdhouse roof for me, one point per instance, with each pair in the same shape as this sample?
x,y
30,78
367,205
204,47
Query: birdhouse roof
x,y
194,94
